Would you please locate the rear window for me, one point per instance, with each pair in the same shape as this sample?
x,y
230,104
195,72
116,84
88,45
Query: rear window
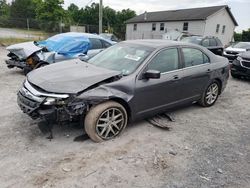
x,y
95,43
194,40
193,57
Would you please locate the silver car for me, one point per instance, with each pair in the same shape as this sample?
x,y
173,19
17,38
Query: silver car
x,y
32,55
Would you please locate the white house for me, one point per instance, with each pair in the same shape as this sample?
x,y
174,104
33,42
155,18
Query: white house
x,y
215,21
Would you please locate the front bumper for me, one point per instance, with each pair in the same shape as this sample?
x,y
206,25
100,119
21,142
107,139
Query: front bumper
x,y
31,102
13,63
239,70
230,58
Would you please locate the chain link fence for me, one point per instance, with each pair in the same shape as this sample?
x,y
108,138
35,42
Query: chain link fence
x,y
50,27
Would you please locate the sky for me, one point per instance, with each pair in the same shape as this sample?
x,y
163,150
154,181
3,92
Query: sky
x,y
239,8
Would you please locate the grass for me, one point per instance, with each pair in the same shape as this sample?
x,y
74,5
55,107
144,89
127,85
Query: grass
x,y
9,41
31,35
32,32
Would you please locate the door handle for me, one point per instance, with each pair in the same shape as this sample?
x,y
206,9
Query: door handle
x,y
175,78
209,70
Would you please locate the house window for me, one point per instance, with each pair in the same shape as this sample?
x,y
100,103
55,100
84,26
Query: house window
x,y
223,29
135,27
217,28
185,26
153,26
162,26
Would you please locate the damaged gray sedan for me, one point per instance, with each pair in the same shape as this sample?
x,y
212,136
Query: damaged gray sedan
x,y
129,81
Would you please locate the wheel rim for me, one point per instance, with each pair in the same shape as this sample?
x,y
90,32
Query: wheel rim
x,y
110,123
212,93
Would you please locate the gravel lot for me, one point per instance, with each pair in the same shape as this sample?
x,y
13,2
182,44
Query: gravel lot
x,y
206,147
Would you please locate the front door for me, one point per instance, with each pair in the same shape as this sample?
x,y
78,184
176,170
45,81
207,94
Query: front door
x,y
153,95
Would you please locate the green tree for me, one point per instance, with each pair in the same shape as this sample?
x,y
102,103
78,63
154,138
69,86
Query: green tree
x,y
23,9
237,37
50,13
73,13
112,21
246,35
120,26
4,9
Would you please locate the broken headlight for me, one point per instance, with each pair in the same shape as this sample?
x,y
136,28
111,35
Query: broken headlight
x,y
53,101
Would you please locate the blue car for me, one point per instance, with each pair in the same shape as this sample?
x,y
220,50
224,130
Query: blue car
x,y
71,45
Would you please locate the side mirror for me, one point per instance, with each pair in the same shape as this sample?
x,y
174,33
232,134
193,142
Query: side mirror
x,y
152,74
84,57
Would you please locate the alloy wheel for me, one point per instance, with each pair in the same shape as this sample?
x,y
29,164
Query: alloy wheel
x,y
212,93
110,123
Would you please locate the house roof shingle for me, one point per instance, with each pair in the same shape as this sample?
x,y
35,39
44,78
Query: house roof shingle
x,y
180,15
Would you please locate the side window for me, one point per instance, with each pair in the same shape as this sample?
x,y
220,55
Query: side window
x,y
153,26
212,42
205,43
165,61
106,44
223,29
217,28
95,43
185,26
205,59
162,25
135,27
194,57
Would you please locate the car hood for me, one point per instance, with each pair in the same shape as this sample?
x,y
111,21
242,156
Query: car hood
x,y
245,55
69,77
235,49
23,50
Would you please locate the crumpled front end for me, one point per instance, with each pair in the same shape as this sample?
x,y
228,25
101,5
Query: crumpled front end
x,y
21,55
48,106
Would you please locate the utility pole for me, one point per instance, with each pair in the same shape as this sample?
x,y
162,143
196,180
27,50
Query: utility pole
x,y
100,17
28,27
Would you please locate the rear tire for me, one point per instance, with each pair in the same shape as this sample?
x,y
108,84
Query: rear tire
x,y
105,121
210,95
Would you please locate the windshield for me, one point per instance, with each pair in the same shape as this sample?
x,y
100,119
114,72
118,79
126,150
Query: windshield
x,y
122,57
243,45
194,40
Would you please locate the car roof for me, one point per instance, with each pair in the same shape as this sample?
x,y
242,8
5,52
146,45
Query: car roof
x,y
158,43
76,34
86,35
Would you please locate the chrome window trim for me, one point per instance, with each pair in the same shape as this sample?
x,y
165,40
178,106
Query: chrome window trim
x,y
38,93
181,69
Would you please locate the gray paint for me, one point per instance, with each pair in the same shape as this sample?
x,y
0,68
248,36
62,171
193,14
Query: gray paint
x,y
144,97
71,76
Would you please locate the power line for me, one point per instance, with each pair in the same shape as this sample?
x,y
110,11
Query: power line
x,y
88,3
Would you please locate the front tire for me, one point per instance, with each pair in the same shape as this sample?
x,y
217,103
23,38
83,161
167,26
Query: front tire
x,y
210,95
105,121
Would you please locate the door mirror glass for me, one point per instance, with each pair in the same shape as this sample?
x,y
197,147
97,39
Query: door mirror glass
x,y
152,74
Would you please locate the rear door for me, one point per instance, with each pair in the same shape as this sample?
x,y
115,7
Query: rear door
x,y
196,72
